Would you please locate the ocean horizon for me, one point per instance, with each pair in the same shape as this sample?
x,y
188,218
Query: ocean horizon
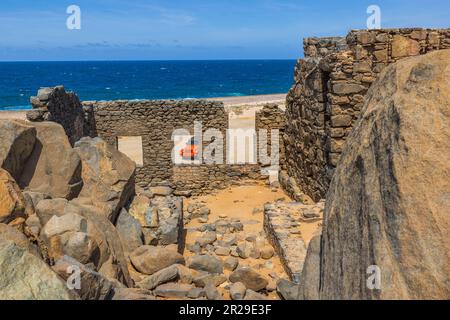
x,y
138,80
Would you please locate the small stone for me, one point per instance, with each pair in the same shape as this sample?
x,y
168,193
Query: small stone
x,y
204,279
212,293
221,251
271,286
244,250
288,290
230,263
194,248
196,293
173,290
206,238
252,295
206,263
267,252
158,278
237,291
250,278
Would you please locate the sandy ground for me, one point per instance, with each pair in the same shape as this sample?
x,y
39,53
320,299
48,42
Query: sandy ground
x,y
13,115
251,100
240,202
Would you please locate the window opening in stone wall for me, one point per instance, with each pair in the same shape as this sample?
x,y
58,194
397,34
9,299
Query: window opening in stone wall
x,y
132,147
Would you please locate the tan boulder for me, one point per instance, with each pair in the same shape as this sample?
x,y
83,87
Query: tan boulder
x,y
387,214
53,168
16,144
12,203
108,174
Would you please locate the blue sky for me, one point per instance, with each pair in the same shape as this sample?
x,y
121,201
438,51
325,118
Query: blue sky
x,y
192,29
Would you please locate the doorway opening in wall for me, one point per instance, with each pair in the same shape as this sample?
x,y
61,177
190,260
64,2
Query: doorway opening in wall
x,y
132,147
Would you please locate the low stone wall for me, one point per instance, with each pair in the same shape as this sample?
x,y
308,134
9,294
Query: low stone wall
x,y
329,91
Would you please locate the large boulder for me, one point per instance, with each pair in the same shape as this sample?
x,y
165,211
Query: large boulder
x,y
108,174
130,231
388,207
53,168
16,144
12,203
84,233
24,276
92,285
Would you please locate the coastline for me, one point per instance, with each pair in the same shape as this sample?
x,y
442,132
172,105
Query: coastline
x,y
228,102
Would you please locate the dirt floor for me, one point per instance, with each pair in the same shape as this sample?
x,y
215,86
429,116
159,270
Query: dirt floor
x,y
245,203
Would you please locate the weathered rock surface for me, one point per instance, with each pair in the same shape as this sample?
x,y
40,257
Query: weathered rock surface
x,y
130,231
53,168
288,290
9,233
92,285
150,259
162,276
237,291
108,175
389,202
12,203
250,278
310,278
16,144
84,233
23,276
205,262
48,208
173,290
113,263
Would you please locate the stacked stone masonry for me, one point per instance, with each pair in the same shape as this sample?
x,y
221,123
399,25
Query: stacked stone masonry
x,y
271,117
329,91
55,104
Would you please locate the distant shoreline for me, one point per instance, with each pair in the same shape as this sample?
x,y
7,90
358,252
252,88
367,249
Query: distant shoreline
x,y
227,101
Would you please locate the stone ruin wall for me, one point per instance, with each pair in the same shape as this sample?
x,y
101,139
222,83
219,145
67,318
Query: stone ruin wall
x,y
329,91
155,121
55,104
271,117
